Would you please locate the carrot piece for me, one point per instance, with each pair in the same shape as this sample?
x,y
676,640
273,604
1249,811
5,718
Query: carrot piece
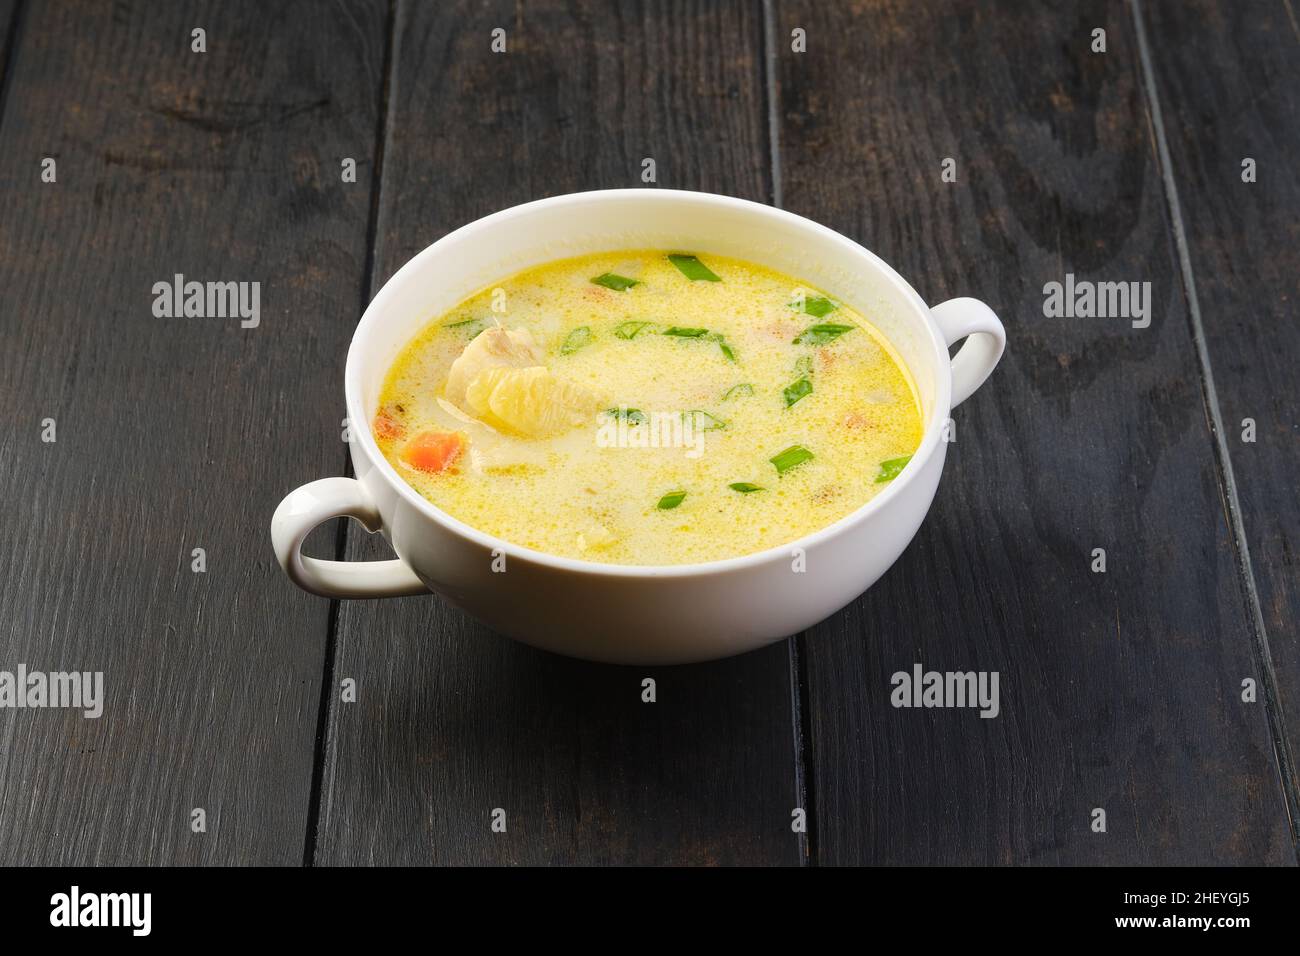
x,y
433,451
388,425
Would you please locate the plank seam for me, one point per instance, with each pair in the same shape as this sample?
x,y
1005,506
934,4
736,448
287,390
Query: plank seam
x,y
1210,397
325,711
773,110
798,676
10,53
801,720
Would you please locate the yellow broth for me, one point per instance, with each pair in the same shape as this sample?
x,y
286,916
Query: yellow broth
x,y
637,424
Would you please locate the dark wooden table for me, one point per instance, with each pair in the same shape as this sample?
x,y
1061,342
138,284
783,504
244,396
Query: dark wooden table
x,y
1121,690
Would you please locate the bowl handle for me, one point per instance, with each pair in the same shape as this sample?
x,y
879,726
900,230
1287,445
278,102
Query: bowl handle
x,y
974,361
305,508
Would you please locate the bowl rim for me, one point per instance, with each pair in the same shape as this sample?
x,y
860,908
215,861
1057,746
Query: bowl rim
x,y
360,436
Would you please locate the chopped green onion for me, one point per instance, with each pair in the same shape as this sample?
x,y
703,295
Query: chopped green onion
x,y
630,330
744,388
612,280
633,416
819,306
474,327
821,334
690,332
794,455
890,468
692,268
815,305
704,421
576,339
470,325
798,390
744,487
671,500
803,366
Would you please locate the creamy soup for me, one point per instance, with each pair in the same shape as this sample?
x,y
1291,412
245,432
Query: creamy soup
x,y
648,407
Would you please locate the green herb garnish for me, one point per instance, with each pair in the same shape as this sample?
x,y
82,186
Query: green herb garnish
x,y
633,416
798,390
794,455
612,280
576,339
744,388
803,366
704,421
692,268
890,468
464,323
671,500
821,334
690,332
744,487
630,330
818,306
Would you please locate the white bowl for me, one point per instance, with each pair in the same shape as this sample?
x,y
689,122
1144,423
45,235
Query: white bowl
x,y
632,614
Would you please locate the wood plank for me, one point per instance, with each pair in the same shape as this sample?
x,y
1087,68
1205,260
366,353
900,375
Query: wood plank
x,y
453,721
1118,690
172,434
1228,76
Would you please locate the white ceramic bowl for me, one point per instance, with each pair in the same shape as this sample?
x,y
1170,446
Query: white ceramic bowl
x,y
620,613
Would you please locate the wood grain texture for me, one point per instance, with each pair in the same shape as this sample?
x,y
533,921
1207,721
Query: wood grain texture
x,y
453,721
172,434
1229,82
1118,690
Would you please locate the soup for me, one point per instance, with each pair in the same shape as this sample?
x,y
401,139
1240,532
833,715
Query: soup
x,y
648,408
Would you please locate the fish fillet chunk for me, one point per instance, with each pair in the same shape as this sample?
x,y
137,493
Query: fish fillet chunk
x,y
492,348
528,401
